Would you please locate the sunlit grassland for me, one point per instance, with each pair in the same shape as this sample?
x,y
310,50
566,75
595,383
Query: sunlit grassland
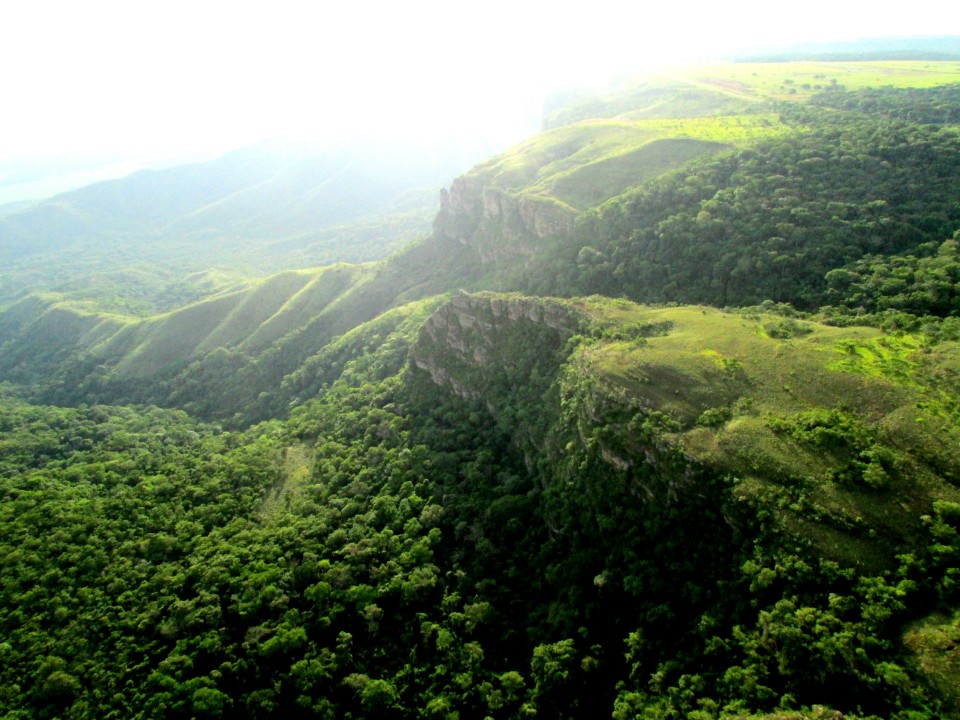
x,y
728,355
570,147
751,394
587,163
800,80
254,316
252,319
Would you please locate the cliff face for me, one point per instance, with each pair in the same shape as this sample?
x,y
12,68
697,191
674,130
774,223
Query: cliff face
x,y
499,225
475,337
520,358
665,405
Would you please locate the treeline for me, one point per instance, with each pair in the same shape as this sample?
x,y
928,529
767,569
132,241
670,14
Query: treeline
x,y
932,106
924,282
768,222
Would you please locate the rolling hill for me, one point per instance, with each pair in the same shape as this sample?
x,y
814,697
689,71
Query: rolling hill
x,y
268,207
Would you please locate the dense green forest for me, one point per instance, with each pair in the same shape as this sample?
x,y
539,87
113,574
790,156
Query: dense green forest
x,y
395,549
403,489
770,221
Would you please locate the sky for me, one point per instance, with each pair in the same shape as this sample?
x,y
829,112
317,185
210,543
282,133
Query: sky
x,y
154,82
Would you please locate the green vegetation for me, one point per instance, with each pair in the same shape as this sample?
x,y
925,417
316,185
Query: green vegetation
x,y
800,80
486,513
768,222
387,490
128,243
585,164
738,87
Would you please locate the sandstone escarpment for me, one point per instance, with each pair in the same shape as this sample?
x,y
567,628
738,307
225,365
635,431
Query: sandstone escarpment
x,y
475,337
500,225
518,356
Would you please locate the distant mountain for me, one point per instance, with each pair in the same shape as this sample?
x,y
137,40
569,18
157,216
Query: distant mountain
x,y
270,206
15,207
29,178
897,48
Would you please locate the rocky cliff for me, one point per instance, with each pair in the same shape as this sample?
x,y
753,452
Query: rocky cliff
x,y
474,338
528,360
500,225
661,402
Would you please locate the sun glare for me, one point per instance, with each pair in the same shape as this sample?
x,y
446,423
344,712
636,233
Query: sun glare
x,y
183,77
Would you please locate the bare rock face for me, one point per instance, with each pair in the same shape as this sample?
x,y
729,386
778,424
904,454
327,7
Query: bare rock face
x,y
499,225
473,337
461,208
545,218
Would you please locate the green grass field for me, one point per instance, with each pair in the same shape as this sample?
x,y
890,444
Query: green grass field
x,y
800,80
586,164
797,413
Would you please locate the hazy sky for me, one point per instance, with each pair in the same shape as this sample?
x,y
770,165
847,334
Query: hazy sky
x,y
173,76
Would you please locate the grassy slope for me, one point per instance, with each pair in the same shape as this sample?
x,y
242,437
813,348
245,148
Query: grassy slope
x,y
585,164
849,435
315,297
718,89
735,389
292,314
257,308
143,347
252,318
605,144
649,97
799,80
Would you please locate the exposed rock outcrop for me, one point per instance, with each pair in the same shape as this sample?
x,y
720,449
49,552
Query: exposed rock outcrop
x,y
479,334
509,351
498,224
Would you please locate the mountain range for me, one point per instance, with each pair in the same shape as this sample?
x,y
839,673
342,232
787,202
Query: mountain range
x,y
276,205
652,415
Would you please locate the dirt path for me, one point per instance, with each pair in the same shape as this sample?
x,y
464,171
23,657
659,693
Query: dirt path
x,y
717,87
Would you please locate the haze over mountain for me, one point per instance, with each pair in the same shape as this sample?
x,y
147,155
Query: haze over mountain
x,y
267,207
109,84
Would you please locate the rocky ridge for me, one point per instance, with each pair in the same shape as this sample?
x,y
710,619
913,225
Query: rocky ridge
x,y
498,224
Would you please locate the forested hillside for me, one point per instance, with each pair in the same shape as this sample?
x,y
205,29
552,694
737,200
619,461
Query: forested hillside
x,y
499,524
660,421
